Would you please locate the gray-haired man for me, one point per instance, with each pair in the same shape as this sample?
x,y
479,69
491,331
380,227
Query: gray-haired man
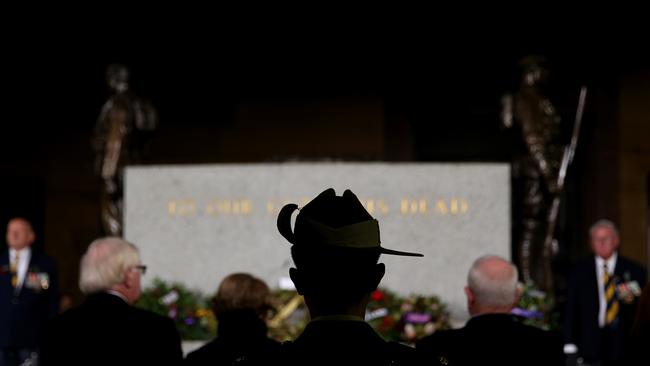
x,y
106,329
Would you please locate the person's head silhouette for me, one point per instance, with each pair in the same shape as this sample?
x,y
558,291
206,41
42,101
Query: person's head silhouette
x,y
336,247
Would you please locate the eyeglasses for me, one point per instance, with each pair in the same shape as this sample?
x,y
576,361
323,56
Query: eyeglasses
x,y
142,268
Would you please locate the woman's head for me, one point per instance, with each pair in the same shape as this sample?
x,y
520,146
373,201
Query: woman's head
x,y
241,291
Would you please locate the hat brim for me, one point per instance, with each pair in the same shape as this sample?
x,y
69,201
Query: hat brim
x,y
383,250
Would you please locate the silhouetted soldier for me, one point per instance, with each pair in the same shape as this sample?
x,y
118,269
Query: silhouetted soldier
x,y
335,248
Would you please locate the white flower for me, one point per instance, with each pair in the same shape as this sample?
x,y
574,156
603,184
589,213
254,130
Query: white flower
x,y
429,328
170,298
409,331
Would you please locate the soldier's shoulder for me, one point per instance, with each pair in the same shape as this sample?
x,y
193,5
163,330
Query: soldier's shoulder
x,y
400,354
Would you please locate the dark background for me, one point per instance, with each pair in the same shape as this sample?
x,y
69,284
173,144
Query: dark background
x,y
437,97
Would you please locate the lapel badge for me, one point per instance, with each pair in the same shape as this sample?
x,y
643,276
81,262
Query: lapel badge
x,y
37,281
627,291
44,280
31,281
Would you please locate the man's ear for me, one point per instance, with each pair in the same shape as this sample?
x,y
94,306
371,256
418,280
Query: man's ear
x,y
129,278
380,270
470,295
296,277
518,292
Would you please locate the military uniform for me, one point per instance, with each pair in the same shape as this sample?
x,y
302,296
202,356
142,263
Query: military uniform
x,y
336,246
344,340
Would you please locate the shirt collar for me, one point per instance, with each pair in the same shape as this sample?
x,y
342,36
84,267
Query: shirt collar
x,y
115,293
24,253
611,262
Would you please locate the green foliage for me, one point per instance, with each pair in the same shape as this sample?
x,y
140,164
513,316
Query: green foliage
x,y
537,308
406,319
289,316
190,310
396,318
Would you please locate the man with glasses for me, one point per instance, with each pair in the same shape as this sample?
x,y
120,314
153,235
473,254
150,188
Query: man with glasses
x,y
106,329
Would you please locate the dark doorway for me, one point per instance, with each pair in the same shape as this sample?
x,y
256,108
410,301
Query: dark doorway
x,y
647,195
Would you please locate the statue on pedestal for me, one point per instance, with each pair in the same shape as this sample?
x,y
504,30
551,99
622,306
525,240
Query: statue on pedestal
x,y
543,167
120,134
538,167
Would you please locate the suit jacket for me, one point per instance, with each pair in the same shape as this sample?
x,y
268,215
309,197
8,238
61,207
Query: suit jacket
x,y
494,339
641,331
241,339
23,313
105,330
344,342
581,318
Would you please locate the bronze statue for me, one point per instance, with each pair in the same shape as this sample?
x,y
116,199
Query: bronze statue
x,y
539,166
120,134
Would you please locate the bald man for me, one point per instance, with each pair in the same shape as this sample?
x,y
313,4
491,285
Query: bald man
x,y
494,336
28,294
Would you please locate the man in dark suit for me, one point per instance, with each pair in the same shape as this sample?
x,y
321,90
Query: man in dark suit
x,y
493,336
335,249
106,329
28,294
602,297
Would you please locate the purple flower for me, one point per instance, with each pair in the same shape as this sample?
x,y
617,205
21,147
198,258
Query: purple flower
x,y
189,320
417,318
528,313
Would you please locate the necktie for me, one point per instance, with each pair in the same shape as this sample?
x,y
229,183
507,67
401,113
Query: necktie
x,y
610,296
14,270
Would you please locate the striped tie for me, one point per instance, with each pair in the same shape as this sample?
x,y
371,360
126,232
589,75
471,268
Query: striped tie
x,y
14,270
610,297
